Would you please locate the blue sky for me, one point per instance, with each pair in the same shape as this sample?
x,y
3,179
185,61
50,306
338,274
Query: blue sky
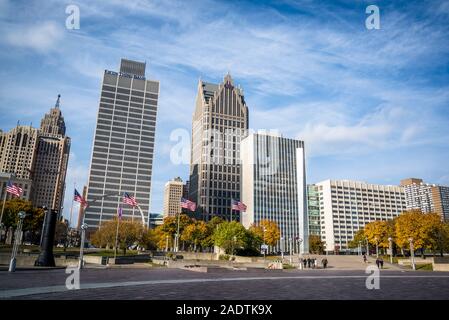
x,y
371,105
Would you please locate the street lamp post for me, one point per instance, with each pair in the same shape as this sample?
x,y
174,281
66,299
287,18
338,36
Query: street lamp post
x,y
291,251
166,243
360,248
377,247
282,248
390,244
177,235
412,253
83,237
367,247
299,247
17,239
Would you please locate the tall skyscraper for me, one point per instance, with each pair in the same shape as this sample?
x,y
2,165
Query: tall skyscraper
x,y
313,210
274,186
347,206
172,197
220,121
52,157
426,197
123,148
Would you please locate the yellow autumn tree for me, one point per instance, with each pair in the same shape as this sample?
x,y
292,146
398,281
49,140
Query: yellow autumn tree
x,y
268,231
379,232
411,224
194,233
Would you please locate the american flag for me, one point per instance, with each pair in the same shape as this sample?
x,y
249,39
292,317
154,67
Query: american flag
x,y
129,200
14,189
78,198
187,204
237,205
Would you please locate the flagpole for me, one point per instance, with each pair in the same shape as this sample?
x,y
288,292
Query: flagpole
x,y
3,209
71,208
116,235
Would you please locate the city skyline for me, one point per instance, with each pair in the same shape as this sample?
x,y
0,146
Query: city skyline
x,y
361,115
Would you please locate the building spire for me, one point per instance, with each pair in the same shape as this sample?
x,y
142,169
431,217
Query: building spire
x,y
57,102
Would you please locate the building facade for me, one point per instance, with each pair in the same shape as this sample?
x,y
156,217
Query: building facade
x,y
18,151
123,146
37,159
25,184
172,197
426,197
347,206
274,187
51,161
313,210
220,122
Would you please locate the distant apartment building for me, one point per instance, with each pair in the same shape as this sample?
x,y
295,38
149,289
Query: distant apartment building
x,y
426,197
273,187
37,159
219,123
123,146
347,206
313,210
172,197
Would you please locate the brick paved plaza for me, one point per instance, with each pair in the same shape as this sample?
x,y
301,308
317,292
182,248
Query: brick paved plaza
x,y
221,284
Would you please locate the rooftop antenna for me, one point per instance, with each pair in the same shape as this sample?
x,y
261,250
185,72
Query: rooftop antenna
x,y
57,101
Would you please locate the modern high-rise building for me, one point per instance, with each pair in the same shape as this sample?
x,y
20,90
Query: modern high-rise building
x,y
426,197
123,147
313,210
52,157
274,186
347,206
220,122
172,197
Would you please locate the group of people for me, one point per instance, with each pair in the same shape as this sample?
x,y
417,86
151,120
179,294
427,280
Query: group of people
x,y
379,261
312,263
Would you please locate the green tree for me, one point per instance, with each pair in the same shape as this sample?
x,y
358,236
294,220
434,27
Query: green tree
x,y
212,224
359,237
316,245
231,236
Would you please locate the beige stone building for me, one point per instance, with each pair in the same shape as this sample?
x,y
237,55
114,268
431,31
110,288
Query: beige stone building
x,y
172,197
52,156
37,159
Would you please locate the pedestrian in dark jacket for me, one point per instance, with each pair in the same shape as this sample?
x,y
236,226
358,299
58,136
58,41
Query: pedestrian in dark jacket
x,y
324,263
304,261
309,262
378,262
381,261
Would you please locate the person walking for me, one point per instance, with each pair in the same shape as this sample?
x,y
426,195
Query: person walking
x,y
324,263
381,261
378,263
309,262
304,261
364,258
315,263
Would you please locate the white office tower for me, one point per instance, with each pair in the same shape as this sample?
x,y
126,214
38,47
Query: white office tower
x,y
274,187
